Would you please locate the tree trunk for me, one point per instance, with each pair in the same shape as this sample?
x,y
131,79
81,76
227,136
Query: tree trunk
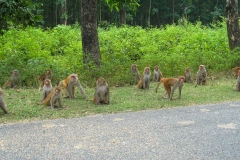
x,y
63,12
122,15
173,5
232,24
90,44
149,13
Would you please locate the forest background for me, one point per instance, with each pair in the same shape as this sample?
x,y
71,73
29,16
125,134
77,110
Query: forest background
x,y
171,34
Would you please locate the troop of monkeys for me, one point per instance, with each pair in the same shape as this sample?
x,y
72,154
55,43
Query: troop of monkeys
x,y
169,84
51,96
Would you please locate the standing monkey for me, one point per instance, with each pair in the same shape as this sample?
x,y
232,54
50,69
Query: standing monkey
x,y
14,80
238,82
171,82
42,77
201,76
157,74
47,88
53,97
101,94
144,82
134,73
72,81
187,75
2,103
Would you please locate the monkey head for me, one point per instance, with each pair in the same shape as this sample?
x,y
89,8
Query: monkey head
x,y
181,78
201,67
57,89
100,81
147,70
48,71
134,66
47,81
15,72
156,68
74,77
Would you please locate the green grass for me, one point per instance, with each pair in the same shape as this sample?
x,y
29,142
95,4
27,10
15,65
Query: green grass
x,y
23,105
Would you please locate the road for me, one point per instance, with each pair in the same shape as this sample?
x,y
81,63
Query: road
x,y
183,133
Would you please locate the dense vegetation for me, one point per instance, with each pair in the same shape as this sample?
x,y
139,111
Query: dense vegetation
x,y
173,48
150,12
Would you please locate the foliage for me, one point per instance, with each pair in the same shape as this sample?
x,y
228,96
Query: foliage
x,y
18,13
138,11
118,3
173,48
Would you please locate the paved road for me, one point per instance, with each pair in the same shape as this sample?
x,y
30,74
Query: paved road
x,y
195,132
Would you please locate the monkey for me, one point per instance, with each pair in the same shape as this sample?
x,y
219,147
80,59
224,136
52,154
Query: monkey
x,y
53,97
134,73
13,81
235,70
238,82
42,77
63,84
201,76
47,88
101,94
157,74
187,75
56,97
144,82
72,81
171,82
2,103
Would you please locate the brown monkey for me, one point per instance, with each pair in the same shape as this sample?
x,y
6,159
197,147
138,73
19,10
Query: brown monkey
x,y
72,81
171,82
53,97
14,80
47,88
201,76
63,84
2,103
134,73
238,82
101,94
187,75
157,74
42,77
144,82
235,70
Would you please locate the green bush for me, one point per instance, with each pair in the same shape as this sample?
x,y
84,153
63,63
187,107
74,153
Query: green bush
x,y
173,48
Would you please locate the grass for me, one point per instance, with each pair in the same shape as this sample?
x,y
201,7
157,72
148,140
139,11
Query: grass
x,y
23,105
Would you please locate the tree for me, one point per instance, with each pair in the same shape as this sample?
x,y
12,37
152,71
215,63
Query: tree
x,y
121,5
18,13
90,42
232,24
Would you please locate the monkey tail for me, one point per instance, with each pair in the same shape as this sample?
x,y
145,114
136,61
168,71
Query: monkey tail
x,y
158,86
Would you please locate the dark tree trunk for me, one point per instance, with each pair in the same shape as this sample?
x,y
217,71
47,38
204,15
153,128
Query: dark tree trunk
x,y
122,15
63,13
232,24
90,44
